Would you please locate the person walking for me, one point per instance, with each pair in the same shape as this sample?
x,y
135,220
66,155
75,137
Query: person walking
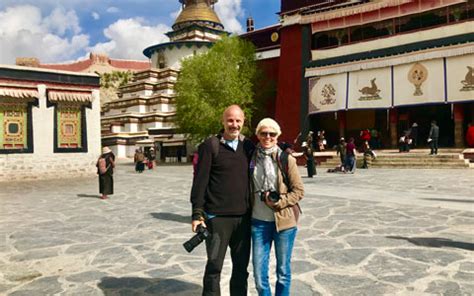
x,y
220,199
277,189
341,151
433,138
105,169
308,152
351,158
414,134
139,159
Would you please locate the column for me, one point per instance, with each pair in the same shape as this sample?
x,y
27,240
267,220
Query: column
x,y
458,110
341,117
393,119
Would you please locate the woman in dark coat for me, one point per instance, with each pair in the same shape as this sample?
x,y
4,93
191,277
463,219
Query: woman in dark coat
x,y
106,180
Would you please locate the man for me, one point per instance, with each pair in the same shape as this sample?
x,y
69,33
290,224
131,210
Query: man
x,y
341,151
351,156
220,201
308,152
433,138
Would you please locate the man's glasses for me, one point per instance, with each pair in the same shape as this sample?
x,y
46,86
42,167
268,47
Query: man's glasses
x,y
266,134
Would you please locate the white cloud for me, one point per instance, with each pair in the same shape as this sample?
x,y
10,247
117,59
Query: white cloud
x,y
113,9
229,11
128,38
95,15
59,21
25,33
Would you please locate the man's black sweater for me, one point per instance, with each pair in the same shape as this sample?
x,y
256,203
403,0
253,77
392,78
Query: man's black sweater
x,y
221,183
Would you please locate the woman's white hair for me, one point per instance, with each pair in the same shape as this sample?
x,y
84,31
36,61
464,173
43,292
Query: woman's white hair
x,y
268,123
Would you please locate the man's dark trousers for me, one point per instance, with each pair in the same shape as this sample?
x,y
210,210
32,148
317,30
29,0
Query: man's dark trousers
x,y
434,146
232,231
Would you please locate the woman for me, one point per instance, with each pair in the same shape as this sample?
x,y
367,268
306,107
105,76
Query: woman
x,y
275,208
105,169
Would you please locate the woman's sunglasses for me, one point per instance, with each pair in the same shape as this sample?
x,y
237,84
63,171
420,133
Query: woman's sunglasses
x,y
266,134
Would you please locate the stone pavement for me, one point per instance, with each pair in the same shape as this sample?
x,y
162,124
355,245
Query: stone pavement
x,y
378,232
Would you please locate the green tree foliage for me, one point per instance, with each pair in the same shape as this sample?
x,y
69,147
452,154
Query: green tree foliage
x,y
210,82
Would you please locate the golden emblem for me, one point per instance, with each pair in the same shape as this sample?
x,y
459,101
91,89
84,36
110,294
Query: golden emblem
x,y
370,93
468,82
328,92
417,75
274,37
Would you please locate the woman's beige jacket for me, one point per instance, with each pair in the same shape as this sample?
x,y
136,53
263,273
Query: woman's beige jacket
x,y
287,209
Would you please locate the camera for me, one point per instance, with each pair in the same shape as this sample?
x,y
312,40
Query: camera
x,y
201,234
272,195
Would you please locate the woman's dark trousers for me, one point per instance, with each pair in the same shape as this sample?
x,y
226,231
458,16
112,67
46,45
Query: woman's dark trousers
x,y
232,231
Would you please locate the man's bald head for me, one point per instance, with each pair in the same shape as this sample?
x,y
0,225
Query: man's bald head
x,y
233,121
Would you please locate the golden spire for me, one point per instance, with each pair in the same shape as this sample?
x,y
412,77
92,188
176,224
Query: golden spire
x,y
198,11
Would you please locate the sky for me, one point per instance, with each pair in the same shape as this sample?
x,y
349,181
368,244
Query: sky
x,y
58,31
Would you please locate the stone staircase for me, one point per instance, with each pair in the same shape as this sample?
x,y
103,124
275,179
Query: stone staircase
x,y
416,158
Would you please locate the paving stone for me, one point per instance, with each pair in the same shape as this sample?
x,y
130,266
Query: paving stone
x,y
464,276
86,276
163,273
324,244
467,266
170,286
342,257
19,273
116,255
302,266
361,241
352,285
444,287
442,258
34,255
47,286
302,289
396,270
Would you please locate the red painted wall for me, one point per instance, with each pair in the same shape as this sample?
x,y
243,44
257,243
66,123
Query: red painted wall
x,y
269,83
287,107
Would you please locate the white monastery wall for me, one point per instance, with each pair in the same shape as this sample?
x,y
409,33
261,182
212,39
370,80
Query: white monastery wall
x,y
44,163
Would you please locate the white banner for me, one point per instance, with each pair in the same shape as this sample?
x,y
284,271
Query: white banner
x,y
460,78
327,93
419,83
370,89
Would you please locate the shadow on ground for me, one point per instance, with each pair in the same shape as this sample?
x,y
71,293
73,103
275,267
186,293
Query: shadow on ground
x,y
172,217
112,286
89,195
451,200
435,242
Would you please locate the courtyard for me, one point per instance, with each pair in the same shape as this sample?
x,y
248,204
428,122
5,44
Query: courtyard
x,y
377,232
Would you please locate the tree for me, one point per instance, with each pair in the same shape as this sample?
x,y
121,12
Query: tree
x,y
210,82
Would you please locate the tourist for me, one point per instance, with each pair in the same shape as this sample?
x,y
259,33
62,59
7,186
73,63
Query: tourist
x,y
322,140
105,169
470,135
150,158
220,202
308,153
139,159
341,151
351,157
272,199
433,138
414,134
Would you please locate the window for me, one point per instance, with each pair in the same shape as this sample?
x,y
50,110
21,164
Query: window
x,y
15,129
70,131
